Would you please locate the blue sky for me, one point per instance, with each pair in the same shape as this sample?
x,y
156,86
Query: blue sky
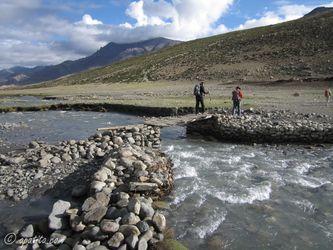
x,y
42,32
113,11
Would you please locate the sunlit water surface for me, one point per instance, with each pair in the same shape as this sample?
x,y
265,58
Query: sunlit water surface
x,y
250,197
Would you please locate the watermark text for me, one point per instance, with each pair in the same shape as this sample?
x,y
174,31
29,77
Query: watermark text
x,y
12,238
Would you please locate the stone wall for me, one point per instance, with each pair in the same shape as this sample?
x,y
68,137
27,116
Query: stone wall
x,y
140,135
273,128
97,107
107,107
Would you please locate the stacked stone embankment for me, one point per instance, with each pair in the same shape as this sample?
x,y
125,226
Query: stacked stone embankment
x,y
271,127
41,166
114,207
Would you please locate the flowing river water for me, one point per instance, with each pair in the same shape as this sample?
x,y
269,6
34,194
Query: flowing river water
x,y
226,196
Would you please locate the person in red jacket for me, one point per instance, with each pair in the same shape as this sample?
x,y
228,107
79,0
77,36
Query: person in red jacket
x,y
237,96
328,95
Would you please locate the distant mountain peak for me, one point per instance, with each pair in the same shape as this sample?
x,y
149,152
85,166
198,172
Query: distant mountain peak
x,y
110,53
318,11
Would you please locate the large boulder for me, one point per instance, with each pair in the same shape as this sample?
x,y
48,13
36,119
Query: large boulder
x,y
132,241
130,219
89,204
95,215
147,235
143,244
97,186
142,186
109,226
116,240
128,230
109,163
134,206
57,217
27,232
125,152
102,198
55,160
118,141
159,221
142,226
114,213
146,211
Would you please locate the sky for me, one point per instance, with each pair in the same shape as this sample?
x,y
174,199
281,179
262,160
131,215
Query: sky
x,y
45,32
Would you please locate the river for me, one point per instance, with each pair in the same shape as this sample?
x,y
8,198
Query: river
x,y
226,196
55,126
250,197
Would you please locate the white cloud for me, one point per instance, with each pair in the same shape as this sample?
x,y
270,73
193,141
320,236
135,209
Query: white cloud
x,y
221,29
285,12
126,25
294,11
29,54
135,11
37,28
149,12
180,19
88,20
267,19
32,33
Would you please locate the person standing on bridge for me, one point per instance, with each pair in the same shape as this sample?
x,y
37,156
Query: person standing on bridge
x,y
328,95
237,96
199,93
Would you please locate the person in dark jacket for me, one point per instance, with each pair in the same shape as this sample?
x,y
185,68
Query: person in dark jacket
x,y
237,96
328,95
199,93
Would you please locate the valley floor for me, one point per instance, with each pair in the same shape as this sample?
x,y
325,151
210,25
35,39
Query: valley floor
x,y
295,96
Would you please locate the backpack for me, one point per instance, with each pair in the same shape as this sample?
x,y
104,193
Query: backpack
x,y
197,90
327,93
235,95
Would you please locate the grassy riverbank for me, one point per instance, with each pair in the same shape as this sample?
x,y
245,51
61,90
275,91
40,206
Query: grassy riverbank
x,y
296,96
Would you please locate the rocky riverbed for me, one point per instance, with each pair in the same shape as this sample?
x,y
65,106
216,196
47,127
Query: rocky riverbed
x,y
10,126
271,127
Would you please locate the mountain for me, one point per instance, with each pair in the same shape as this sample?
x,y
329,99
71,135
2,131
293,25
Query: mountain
x,y
109,54
6,74
319,11
296,49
